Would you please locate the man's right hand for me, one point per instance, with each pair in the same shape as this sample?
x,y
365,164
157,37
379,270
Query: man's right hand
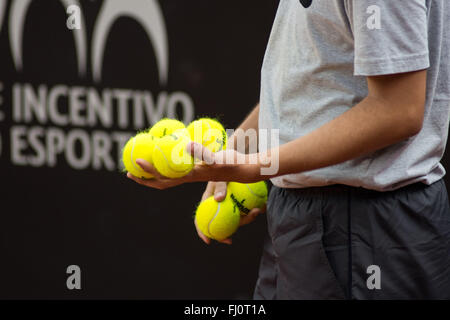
x,y
219,190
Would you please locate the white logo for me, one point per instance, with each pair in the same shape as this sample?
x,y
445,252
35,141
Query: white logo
x,y
88,107
146,12
374,281
17,16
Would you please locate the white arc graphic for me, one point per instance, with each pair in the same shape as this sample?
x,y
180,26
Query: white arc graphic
x,y
17,16
148,14
2,11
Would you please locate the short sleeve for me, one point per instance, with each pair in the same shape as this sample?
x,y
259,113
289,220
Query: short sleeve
x,y
391,36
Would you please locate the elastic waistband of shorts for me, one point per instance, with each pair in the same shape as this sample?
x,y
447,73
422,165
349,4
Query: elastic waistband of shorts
x,y
346,189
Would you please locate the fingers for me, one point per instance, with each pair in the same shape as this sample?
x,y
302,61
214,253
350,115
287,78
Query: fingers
x,y
209,190
207,240
135,179
147,183
160,184
220,191
201,153
201,235
227,241
251,216
264,208
147,167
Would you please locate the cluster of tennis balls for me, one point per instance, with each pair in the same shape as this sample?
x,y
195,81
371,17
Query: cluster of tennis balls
x,y
164,146
219,220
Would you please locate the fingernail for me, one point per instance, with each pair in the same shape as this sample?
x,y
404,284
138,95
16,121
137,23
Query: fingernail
x,y
219,194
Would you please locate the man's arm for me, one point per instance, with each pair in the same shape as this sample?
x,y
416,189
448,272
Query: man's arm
x,y
393,111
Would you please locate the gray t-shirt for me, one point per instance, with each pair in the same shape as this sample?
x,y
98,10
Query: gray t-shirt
x,y
315,69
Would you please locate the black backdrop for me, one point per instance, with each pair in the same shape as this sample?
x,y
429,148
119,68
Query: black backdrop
x,y
129,241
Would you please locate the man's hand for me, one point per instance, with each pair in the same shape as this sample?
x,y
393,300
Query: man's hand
x,y
219,191
227,165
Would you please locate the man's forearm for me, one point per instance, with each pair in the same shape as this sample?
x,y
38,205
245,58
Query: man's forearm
x,y
365,128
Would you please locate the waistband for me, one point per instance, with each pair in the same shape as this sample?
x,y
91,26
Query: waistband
x,y
346,189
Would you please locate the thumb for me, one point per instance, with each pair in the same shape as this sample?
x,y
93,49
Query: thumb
x,y
200,152
220,191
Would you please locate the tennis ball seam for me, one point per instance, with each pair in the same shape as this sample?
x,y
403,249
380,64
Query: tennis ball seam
x,y
251,191
168,163
213,218
131,155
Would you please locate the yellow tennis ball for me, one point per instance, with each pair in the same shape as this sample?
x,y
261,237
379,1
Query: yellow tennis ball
x,y
138,147
170,157
208,132
165,127
247,196
217,220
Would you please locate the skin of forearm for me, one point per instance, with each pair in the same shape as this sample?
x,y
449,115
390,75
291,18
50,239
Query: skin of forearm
x,y
369,126
392,112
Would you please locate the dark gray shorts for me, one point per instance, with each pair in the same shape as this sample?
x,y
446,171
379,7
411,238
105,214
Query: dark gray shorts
x,y
341,242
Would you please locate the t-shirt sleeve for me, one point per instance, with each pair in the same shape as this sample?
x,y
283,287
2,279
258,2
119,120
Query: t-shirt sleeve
x,y
391,36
